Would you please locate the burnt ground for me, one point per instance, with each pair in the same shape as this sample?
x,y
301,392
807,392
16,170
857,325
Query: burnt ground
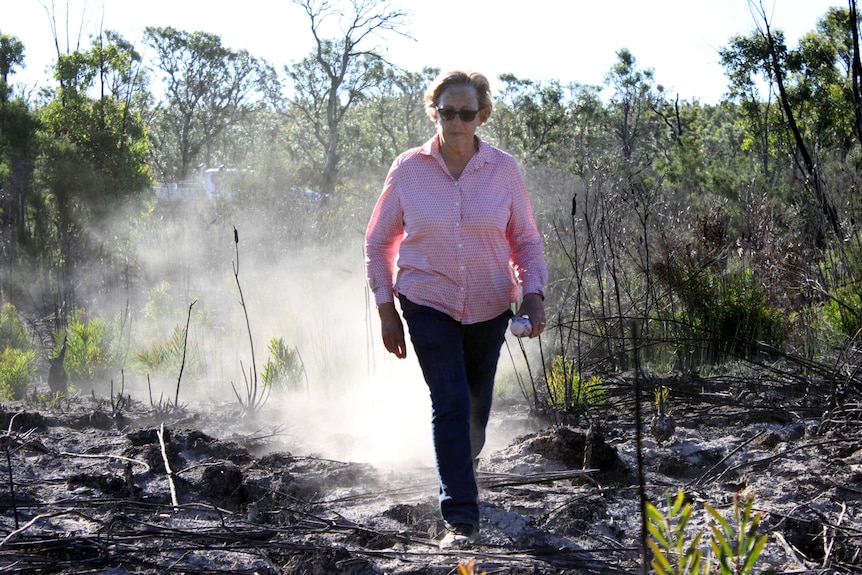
x,y
85,488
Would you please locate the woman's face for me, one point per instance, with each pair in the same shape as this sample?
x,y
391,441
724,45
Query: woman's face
x,y
456,132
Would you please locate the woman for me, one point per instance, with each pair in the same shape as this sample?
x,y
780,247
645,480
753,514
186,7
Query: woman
x,y
455,215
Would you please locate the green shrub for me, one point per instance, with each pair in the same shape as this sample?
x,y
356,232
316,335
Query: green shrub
x,y
841,270
165,358
843,310
17,370
12,332
91,354
730,315
567,389
735,545
675,550
284,371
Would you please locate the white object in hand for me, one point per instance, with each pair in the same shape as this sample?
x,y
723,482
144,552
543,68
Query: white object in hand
x,y
521,326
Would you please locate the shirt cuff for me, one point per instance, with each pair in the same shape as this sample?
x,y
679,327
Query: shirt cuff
x,y
383,295
532,288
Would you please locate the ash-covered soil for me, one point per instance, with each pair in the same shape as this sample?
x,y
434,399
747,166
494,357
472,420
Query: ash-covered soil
x,y
85,488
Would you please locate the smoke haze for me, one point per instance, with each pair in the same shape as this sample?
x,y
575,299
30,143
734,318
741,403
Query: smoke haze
x,y
358,403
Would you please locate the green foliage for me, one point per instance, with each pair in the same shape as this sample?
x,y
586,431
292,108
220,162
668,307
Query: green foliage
x,y
567,389
735,545
675,550
284,371
17,370
842,277
208,89
165,358
97,148
661,400
164,305
91,354
12,332
17,356
731,315
843,310
161,347
11,57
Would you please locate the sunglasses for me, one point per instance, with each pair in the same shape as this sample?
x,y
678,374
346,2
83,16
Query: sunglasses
x,y
449,114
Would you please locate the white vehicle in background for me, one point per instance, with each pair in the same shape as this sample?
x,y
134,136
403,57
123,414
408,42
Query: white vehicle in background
x,y
214,184
211,184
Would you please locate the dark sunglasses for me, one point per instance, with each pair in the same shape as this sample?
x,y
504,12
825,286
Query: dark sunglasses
x,y
449,114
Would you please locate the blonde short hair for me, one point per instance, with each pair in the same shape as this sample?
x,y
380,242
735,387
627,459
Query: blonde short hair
x,y
462,79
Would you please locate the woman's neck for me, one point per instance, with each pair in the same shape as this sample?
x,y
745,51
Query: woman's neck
x,y
457,158
459,152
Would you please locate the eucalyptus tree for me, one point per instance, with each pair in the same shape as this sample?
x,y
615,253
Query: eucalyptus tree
x,y
208,89
93,153
809,94
11,57
633,103
334,78
390,119
531,119
122,75
549,123
17,158
821,83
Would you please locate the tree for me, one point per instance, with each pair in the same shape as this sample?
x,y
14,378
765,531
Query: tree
x,y
824,84
122,75
17,158
93,158
334,77
633,102
813,178
536,119
209,89
11,56
390,119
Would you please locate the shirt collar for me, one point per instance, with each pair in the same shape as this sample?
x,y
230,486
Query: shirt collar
x,y
432,148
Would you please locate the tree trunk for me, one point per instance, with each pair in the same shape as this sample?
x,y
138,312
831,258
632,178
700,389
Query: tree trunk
x,y
813,180
856,71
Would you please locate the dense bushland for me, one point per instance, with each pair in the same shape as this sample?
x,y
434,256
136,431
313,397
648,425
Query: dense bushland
x,y
695,235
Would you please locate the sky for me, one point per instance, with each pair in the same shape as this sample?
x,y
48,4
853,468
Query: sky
x,y
565,40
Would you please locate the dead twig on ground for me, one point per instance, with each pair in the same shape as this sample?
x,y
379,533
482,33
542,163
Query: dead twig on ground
x,y
106,456
170,474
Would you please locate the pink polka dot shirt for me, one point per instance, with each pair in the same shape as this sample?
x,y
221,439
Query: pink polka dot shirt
x,y
466,247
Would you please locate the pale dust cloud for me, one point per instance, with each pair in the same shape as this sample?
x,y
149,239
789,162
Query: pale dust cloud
x,y
359,403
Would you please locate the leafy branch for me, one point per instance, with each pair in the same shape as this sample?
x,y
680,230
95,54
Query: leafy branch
x,y
735,544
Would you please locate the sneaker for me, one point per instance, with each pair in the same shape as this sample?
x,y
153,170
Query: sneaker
x,y
458,536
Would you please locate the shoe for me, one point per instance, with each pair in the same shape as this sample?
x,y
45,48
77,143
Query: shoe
x,y
458,536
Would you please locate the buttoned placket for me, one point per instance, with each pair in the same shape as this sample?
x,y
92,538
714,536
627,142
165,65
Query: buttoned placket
x,y
459,243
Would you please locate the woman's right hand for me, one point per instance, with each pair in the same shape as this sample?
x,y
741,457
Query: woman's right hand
x,y
393,330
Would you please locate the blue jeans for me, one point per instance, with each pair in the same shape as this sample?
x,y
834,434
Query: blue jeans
x,y
459,363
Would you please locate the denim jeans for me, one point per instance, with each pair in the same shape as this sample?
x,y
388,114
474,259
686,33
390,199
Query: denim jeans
x,y
459,363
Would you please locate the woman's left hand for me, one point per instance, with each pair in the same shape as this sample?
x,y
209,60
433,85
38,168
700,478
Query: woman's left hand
x,y
533,306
